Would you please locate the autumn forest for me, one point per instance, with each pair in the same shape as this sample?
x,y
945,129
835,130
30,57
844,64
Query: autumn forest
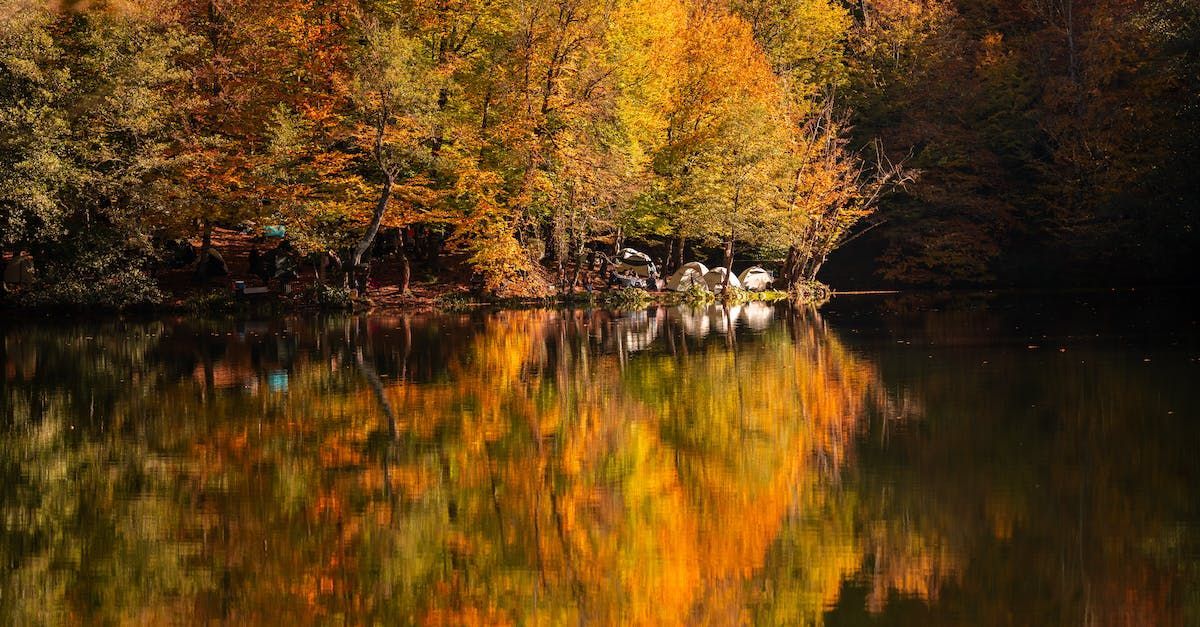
x,y
886,142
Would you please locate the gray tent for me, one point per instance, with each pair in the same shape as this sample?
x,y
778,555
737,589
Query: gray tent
x,y
715,279
688,275
637,263
756,279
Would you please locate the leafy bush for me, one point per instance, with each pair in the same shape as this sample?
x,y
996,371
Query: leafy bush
x,y
737,296
811,292
508,270
627,298
212,301
696,295
122,289
454,302
95,271
330,296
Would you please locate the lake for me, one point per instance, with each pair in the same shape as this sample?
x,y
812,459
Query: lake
x,y
895,460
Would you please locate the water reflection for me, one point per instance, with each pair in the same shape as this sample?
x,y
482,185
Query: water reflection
x,y
669,466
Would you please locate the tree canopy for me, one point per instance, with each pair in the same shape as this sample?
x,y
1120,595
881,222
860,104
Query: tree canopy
x,y
1032,134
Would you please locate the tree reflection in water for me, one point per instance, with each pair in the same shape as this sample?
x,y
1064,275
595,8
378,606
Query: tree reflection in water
x,y
667,466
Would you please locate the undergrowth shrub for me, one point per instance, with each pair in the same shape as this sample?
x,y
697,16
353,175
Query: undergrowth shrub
x,y
94,271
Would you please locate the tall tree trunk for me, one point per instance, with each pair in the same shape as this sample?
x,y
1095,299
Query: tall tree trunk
x,y
405,270
205,247
670,258
368,238
580,257
443,98
814,268
318,261
728,261
789,266
679,251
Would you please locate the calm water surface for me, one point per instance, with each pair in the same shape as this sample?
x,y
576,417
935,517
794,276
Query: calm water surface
x,y
888,460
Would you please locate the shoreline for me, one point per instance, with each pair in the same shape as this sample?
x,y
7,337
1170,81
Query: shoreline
x,y
450,298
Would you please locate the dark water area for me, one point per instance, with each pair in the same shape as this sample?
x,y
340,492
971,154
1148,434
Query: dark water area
x,y
1023,459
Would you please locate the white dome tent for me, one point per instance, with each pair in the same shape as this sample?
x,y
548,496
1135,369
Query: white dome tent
x,y
756,279
689,274
635,262
715,279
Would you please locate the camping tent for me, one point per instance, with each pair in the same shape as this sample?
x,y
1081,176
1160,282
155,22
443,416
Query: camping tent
x,y
715,279
19,271
756,279
688,275
637,263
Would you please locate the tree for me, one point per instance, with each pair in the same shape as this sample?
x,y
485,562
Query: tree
x,y
394,94
34,129
720,163
833,189
92,112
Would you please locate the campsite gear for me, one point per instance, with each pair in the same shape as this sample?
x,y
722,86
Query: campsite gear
x,y
275,231
388,241
687,275
626,280
240,289
278,263
20,271
756,279
637,263
715,279
360,277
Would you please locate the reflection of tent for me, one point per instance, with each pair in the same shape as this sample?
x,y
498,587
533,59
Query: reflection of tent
x,y
694,321
722,319
630,261
688,275
637,330
19,271
758,315
715,279
756,279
